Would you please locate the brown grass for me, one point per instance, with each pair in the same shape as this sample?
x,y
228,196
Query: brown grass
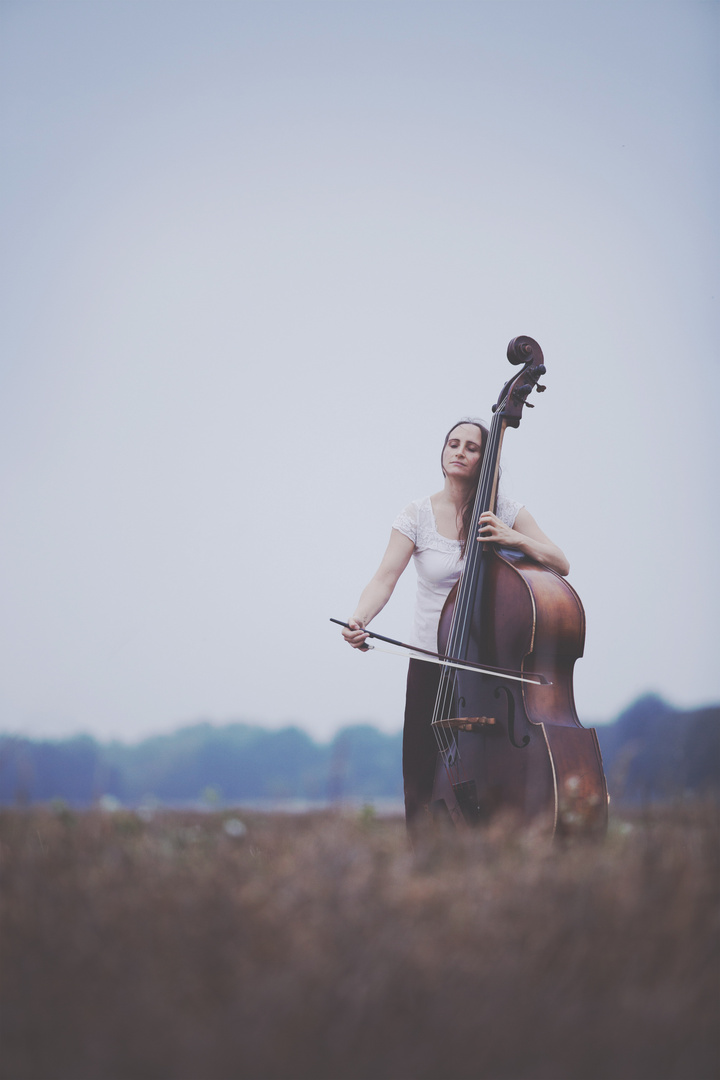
x,y
319,946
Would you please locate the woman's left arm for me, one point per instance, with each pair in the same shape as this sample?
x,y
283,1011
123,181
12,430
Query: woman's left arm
x,y
526,536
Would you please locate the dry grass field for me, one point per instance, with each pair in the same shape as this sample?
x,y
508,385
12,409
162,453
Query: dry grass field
x,y
319,947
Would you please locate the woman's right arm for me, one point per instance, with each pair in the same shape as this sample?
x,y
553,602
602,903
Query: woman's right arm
x,y
379,589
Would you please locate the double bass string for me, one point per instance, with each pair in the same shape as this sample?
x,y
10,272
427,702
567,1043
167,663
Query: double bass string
x,y
447,742
459,627
446,690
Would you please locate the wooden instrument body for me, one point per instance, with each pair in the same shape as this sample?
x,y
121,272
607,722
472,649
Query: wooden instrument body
x,y
510,744
526,752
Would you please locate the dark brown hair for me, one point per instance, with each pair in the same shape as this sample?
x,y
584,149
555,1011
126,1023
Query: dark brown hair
x,y
467,507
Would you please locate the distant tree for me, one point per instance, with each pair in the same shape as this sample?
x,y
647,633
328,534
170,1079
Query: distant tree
x,y
240,760
71,769
654,751
365,763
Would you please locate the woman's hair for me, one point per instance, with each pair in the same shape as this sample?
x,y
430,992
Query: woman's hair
x,y
467,508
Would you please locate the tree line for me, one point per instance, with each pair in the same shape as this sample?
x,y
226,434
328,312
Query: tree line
x,y
651,751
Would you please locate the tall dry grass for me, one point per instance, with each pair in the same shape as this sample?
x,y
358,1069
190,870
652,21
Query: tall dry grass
x,y
317,947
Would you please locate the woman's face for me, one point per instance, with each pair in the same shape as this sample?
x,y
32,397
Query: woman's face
x,y
463,452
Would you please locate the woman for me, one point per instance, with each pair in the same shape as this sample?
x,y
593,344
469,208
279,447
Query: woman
x,y
433,531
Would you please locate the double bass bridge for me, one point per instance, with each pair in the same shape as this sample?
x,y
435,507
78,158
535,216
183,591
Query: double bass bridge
x,y
465,723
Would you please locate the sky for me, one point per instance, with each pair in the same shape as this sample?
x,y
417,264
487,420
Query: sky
x,y
258,257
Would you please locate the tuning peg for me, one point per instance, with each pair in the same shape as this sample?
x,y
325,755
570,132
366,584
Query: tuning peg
x,y
521,394
540,388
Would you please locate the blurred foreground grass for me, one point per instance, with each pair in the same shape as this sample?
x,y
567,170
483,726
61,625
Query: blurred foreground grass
x,y
318,947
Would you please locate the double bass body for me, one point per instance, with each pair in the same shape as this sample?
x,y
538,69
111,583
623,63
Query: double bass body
x,y
516,744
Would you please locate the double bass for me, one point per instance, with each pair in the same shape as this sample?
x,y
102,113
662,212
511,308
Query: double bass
x,y
509,739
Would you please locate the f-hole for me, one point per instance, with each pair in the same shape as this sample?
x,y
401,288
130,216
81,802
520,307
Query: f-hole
x,y
511,718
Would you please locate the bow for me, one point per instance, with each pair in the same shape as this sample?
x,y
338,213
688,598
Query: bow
x,y
417,653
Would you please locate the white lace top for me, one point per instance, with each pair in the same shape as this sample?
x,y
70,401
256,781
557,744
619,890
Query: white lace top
x,y
438,562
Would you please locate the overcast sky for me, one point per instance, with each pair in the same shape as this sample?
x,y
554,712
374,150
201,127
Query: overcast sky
x,y
259,257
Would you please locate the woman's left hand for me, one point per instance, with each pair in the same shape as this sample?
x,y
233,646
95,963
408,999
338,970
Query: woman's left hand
x,y
491,529
526,536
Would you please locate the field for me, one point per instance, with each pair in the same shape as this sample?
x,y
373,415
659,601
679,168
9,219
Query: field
x,y
221,946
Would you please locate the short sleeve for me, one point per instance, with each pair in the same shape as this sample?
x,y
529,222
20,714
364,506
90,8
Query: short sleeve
x,y
507,509
407,522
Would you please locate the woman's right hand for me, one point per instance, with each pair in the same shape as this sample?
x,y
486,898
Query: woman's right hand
x,y
355,636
